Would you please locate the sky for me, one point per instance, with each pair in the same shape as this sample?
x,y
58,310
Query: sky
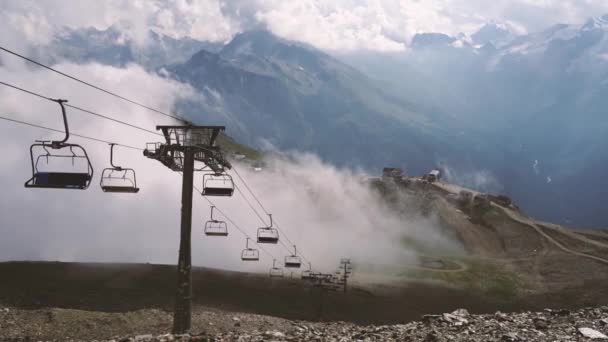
x,y
339,25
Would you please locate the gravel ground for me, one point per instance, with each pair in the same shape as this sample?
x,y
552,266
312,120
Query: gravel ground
x,y
208,325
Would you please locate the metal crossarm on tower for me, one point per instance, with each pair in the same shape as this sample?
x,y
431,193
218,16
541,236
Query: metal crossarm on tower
x,y
199,140
182,147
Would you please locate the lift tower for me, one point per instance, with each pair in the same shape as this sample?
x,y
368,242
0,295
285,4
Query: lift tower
x,y
182,147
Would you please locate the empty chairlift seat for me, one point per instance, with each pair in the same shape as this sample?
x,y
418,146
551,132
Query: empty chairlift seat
x,y
59,166
214,227
307,274
118,179
293,261
249,254
268,234
275,272
217,184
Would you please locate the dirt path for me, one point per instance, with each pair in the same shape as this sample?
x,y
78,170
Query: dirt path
x,y
529,223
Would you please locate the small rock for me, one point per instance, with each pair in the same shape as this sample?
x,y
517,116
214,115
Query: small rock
x,y
429,318
604,321
461,313
540,323
591,333
236,319
562,312
501,317
166,338
510,337
143,338
432,336
275,334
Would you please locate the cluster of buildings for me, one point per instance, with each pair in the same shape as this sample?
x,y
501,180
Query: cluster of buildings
x,y
397,174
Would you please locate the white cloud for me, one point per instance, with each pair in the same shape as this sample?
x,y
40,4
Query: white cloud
x,y
387,25
339,25
39,20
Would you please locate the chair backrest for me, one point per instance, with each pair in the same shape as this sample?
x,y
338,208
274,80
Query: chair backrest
x,y
59,166
217,185
250,254
216,228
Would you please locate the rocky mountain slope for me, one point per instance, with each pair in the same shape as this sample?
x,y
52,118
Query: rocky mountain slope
x,y
152,325
511,263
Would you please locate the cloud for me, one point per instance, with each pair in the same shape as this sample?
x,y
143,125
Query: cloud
x,y
389,25
339,25
39,21
480,180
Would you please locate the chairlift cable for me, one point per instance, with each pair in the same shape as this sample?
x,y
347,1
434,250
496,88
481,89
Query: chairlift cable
x,y
71,133
265,211
260,203
251,206
235,225
174,116
81,109
259,216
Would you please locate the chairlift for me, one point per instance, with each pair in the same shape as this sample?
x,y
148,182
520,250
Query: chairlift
x,y
293,261
307,274
52,159
268,234
345,261
217,184
118,179
250,254
215,227
276,272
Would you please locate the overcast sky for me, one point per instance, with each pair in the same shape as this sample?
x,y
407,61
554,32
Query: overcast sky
x,y
338,25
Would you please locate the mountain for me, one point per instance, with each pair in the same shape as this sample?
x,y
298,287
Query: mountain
x,y
520,114
538,100
297,97
112,47
493,33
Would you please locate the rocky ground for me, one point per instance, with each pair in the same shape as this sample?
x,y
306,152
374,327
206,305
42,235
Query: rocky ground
x,y
152,325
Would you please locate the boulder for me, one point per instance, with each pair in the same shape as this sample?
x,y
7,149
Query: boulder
x,y
591,333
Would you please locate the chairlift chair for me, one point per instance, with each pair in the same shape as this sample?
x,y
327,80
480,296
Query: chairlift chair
x,y
276,272
250,254
214,227
268,234
51,158
118,179
293,261
217,184
307,274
